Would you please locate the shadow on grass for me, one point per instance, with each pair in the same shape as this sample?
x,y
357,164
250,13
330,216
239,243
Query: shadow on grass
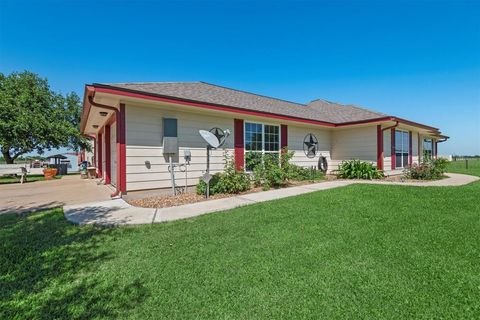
x,y
51,269
99,215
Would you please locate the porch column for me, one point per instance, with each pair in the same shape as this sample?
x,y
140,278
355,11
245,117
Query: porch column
x,y
238,143
379,147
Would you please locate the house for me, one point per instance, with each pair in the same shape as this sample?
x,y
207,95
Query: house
x,y
129,120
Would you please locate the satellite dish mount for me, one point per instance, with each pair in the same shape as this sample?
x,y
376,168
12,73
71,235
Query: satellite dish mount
x,y
215,138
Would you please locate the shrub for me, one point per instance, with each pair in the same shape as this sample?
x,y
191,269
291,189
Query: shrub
x,y
274,173
356,169
428,169
229,181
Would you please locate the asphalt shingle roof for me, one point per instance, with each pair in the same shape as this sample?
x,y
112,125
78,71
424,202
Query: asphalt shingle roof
x,y
319,110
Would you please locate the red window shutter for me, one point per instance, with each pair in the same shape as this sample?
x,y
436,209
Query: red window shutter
x,y
238,143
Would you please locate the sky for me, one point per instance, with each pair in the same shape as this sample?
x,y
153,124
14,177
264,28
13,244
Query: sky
x,y
416,60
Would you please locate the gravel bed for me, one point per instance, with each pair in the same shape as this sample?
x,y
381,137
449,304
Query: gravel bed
x,y
165,201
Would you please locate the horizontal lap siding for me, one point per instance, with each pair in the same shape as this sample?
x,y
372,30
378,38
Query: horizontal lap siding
x,y
387,151
355,143
296,136
144,144
415,147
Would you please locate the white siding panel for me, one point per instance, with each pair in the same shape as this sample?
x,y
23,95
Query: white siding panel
x,y
147,167
355,143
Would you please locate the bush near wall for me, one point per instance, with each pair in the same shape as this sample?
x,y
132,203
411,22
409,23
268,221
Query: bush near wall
x,y
357,169
428,169
268,171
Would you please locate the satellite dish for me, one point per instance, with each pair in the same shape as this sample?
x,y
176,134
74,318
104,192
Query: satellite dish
x,y
210,138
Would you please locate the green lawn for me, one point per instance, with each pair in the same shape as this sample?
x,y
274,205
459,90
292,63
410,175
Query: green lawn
x,y
30,178
362,251
461,167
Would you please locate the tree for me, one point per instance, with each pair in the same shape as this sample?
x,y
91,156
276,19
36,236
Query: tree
x,y
34,118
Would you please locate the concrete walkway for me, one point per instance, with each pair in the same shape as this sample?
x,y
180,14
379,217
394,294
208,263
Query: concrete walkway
x,y
118,212
41,195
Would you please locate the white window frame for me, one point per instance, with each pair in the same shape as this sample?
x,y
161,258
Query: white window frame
x,y
263,152
403,165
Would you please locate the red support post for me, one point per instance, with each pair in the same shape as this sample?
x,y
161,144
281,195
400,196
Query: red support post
x,y
379,147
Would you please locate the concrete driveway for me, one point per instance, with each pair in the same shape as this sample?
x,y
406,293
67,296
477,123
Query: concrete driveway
x,y
39,195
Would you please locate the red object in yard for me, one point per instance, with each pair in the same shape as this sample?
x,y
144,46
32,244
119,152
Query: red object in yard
x,y
49,173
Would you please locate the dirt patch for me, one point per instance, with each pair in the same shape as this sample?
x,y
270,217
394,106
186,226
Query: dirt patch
x,y
164,201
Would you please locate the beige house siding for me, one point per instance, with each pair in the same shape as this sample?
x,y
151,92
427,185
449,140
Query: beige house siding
x,y
296,136
415,147
354,143
387,150
147,168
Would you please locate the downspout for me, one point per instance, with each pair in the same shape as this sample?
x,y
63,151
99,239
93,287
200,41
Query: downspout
x,y
391,127
104,106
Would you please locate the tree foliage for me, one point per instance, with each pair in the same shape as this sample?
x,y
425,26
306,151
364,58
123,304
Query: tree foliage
x,y
35,118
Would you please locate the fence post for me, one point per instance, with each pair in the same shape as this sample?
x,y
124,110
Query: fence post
x,y
466,164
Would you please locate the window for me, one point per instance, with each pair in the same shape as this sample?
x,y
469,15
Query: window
x,y
427,148
260,140
401,148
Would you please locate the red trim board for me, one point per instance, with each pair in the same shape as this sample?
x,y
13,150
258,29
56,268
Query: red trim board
x,y
379,147
238,143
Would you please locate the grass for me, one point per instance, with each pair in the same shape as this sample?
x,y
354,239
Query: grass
x,y
461,167
362,251
30,178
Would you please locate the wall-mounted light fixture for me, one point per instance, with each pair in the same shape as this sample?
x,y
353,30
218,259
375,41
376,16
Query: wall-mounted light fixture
x,y
103,113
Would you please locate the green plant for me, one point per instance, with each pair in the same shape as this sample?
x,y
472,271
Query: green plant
x,y
273,172
428,169
230,180
357,169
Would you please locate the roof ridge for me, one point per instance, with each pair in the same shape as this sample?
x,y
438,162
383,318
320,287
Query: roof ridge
x,y
148,82
255,94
